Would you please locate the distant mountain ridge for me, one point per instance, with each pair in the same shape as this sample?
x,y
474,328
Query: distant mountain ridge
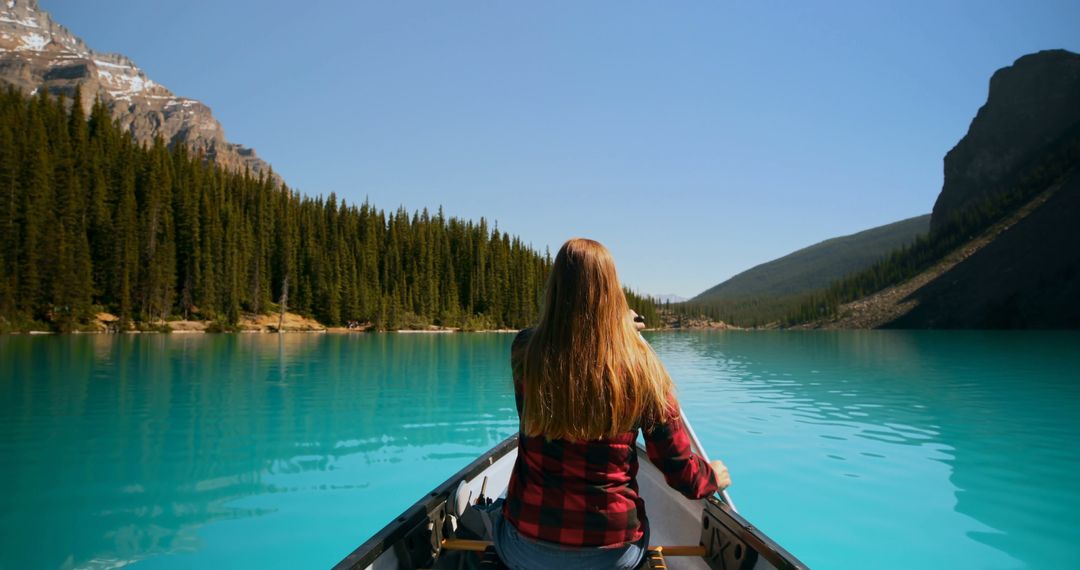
x,y
818,265
36,52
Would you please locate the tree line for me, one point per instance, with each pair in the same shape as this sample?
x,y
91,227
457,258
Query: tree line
x,y
91,220
744,311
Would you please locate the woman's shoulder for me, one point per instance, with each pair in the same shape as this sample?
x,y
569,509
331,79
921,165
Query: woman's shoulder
x,y
517,350
670,413
521,338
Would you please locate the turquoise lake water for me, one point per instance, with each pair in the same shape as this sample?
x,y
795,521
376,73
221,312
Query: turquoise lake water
x,y
863,449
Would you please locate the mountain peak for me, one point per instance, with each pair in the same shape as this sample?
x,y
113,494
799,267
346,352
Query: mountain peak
x,y
36,52
1030,104
31,5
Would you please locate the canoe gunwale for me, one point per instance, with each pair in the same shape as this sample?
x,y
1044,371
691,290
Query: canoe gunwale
x,y
765,547
737,526
418,513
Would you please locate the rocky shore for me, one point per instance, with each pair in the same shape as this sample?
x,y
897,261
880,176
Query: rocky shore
x,y
107,323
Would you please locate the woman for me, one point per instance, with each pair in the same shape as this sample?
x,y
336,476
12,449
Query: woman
x,y
585,382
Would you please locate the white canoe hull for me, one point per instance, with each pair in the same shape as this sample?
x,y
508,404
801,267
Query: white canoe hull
x,y
407,542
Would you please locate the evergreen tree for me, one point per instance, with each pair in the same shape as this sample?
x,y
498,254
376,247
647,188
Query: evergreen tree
x,y
90,218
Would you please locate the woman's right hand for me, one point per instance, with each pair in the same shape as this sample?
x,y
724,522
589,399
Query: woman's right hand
x,y
723,478
639,323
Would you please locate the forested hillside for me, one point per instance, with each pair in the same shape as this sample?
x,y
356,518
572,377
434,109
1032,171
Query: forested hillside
x,y
818,265
773,290
776,289
91,221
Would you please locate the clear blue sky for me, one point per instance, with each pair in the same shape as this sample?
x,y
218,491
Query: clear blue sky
x,y
694,139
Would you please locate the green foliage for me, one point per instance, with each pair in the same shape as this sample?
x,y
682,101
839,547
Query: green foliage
x,y
21,325
743,311
644,306
478,323
770,293
157,327
220,326
413,322
89,217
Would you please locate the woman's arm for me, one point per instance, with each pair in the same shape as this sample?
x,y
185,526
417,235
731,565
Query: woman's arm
x,y
668,446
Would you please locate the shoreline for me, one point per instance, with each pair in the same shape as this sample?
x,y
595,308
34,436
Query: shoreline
x,y
328,330
105,323
345,331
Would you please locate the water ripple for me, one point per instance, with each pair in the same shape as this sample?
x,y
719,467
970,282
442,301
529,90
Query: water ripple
x,y
292,449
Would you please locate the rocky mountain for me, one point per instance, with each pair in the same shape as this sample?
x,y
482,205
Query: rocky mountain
x,y
38,53
1013,259
1027,277
1022,272
818,265
1030,105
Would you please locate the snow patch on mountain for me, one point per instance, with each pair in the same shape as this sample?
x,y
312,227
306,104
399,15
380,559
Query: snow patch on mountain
x,y
37,52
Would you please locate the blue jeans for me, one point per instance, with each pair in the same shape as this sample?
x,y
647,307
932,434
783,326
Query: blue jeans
x,y
523,553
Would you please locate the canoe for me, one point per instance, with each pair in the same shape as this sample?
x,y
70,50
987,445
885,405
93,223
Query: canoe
x,y
685,534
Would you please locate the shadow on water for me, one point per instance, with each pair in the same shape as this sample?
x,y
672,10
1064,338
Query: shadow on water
x,y
117,449
958,445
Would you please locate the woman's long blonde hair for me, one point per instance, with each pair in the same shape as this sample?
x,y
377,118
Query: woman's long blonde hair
x,y
587,374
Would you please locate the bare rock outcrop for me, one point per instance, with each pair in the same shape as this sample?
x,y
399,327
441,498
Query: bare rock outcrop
x,y
1030,105
38,53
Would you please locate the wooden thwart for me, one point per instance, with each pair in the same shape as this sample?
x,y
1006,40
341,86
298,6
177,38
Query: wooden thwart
x,y
481,545
463,544
680,550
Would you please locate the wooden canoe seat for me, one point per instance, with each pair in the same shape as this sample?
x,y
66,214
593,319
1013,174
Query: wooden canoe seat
x,y
654,560
654,557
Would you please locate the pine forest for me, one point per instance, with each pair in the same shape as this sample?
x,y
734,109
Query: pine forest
x,y
92,221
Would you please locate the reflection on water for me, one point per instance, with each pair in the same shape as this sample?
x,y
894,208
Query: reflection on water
x,y
936,449
908,449
119,448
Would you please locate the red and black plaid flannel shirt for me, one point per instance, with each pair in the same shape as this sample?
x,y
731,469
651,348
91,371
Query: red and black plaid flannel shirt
x,y
586,493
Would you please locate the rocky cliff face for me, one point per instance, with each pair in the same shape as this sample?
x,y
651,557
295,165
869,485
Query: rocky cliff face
x,y
1027,277
1031,103
37,53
